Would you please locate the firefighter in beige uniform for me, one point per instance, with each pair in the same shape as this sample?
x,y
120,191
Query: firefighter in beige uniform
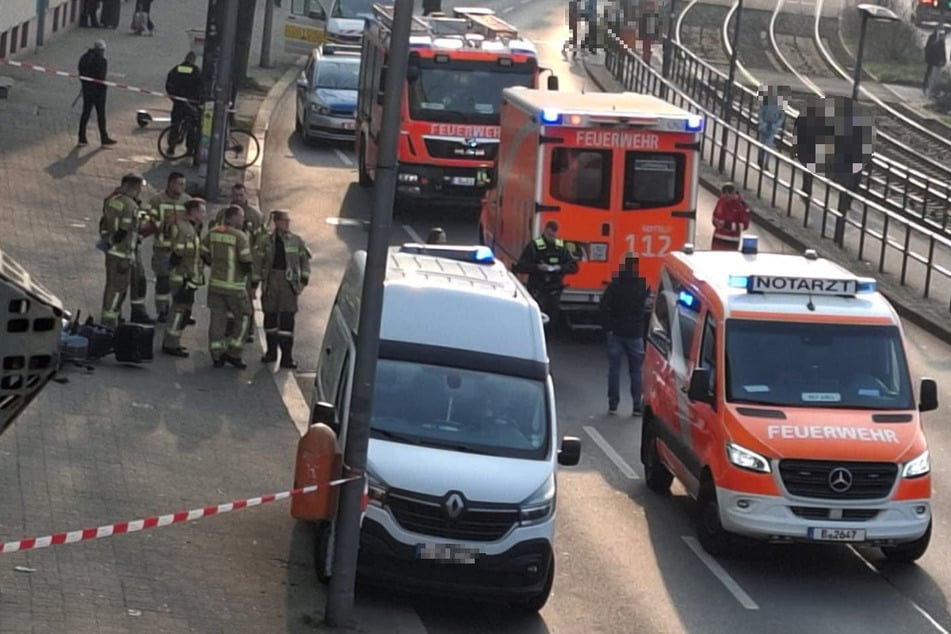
x,y
162,214
227,251
254,227
118,229
186,273
283,265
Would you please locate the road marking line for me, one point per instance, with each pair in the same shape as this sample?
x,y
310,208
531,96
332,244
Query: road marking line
x,y
612,455
412,234
720,573
508,9
343,157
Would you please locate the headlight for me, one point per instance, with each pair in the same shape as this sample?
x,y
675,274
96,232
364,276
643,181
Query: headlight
x,y
540,505
746,459
917,467
376,490
319,108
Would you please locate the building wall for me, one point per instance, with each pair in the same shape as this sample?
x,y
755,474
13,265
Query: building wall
x,y
20,23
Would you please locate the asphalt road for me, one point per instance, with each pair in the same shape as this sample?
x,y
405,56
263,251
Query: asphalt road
x,y
626,558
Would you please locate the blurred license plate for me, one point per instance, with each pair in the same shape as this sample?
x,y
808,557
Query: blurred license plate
x,y
466,181
349,125
448,553
837,534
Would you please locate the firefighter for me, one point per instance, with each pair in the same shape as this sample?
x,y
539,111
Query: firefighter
x,y
255,229
118,229
283,266
546,260
186,273
227,251
164,210
184,82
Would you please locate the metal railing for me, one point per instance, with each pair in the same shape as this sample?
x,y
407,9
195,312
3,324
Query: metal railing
x,y
920,258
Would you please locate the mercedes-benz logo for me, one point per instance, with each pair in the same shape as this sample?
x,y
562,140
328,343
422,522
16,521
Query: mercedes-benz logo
x,y
840,480
454,505
473,143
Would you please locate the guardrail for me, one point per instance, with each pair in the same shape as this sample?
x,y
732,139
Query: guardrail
x,y
894,243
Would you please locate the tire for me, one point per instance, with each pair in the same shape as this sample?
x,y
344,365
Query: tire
x,y
322,551
910,552
298,127
536,602
181,150
710,532
242,149
364,175
656,475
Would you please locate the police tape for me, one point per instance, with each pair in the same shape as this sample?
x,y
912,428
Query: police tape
x,y
160,521
113,84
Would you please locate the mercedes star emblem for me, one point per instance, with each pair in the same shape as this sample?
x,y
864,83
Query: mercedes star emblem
x,y
840,480
454,505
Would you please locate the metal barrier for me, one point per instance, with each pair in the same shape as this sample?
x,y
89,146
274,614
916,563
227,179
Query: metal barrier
x,y
894,243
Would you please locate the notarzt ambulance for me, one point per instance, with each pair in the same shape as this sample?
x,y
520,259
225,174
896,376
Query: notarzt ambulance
x,y
618,171
776,389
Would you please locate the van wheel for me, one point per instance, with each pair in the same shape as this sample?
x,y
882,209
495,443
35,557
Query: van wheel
x,y
910,552
710,532
536,602
322,548
656,475
364,175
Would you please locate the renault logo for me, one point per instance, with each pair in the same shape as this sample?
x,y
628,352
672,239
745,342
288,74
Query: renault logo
x,y
454,505
840,480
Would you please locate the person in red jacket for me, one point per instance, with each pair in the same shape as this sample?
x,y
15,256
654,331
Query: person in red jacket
x,y
730,217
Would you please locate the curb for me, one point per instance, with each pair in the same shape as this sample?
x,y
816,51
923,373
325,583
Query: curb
x,y
298,409
892,292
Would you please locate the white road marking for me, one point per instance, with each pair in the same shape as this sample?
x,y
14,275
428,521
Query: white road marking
x,y
612,455
346,160
720,573
412,234
917,607
508,9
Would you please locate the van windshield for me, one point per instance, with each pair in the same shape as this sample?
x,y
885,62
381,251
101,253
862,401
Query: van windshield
x,y
352,9
461,410
816,365
468,92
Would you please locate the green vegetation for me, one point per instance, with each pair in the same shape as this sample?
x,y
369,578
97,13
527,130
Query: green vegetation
x,y
909,74
892,50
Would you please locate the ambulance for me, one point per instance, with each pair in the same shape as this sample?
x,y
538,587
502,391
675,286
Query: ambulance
x,y
617,171
777,391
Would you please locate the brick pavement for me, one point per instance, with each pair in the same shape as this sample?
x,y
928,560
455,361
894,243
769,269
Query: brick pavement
x,y
123,442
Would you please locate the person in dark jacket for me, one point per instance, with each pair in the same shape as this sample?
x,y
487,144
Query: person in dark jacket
x,y
93,64
546,260
936,57
623,313
807,127
110,14
88,14
185,82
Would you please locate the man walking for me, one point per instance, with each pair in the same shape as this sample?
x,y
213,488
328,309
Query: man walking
x,y
623,310
118,228
227,251
184,81
186,274
163,209
93,65
936,56
283,266
547,260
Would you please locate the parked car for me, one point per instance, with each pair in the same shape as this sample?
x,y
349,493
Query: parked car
x,y
327,94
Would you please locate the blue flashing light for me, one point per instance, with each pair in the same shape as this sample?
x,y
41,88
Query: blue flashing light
x,y
550,116
483,255
750,245
694,123
687,299
866,286
739,281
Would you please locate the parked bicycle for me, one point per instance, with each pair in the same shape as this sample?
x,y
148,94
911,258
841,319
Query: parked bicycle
x,y
241,148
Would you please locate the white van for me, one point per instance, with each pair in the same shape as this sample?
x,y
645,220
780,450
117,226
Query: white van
x,y
346,20
463,451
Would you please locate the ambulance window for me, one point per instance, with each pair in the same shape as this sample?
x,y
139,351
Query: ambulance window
x,y
708,349
581,177
688,312
652,180
659,333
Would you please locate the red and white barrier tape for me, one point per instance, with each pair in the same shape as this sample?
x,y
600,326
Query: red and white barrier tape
x,y
159,521
62,73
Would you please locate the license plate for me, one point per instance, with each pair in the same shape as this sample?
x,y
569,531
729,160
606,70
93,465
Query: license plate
x,y
447,553
837,534
349,125
465,181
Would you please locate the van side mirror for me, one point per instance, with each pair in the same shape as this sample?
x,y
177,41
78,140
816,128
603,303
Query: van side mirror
x,y
412,73
929,395
324,412
552,82
570,453
699,389
302,82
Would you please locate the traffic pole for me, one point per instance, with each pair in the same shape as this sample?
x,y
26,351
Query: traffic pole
x,y
340,596
266,34
727,110
222,92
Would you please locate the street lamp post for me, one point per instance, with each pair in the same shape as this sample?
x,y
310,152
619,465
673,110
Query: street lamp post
x,y
728,93
873,12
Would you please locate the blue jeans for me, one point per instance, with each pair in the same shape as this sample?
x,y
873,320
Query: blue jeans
x,y
617,347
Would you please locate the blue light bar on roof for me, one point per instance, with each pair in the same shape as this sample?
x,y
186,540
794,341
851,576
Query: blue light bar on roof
x,y
866,285
550,116
739,281
694,123
687,299
483,255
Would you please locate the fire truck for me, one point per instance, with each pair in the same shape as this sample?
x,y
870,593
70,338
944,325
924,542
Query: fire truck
x,y
449,131
617,171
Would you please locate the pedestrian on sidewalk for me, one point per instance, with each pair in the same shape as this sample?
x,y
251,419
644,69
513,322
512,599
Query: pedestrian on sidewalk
x,y
731,217
187,273
142,18
94,66
88,14
118,229
623,311
808,127
936,57
283,268
771,120
163,215
227,251
111,14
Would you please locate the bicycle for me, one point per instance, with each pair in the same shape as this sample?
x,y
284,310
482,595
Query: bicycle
x,y
241,149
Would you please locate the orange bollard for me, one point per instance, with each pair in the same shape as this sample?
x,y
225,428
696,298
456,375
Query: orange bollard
x,y
318,462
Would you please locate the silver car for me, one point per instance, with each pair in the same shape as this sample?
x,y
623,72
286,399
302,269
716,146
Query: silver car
x,y
327,94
